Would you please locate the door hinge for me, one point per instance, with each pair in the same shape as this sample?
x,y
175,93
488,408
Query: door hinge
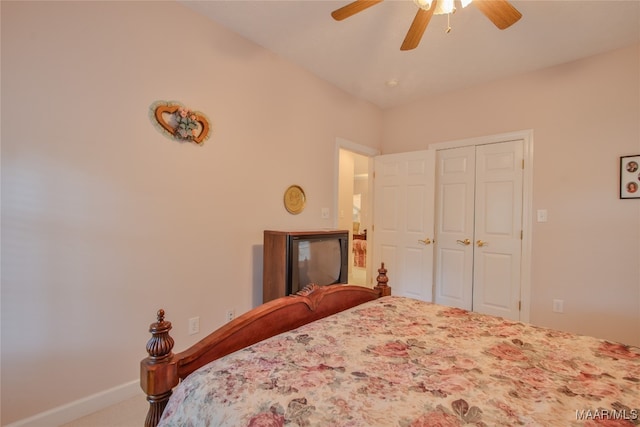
x,y
522,163
519,305
521,234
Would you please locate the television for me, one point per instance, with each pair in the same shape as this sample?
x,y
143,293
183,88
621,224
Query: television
x,y
294,259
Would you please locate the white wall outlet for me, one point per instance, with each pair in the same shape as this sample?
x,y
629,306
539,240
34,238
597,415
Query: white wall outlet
x,y
231,314
194,325
558,306
325,213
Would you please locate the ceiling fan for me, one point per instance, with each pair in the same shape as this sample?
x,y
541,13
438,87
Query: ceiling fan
x,y
500,12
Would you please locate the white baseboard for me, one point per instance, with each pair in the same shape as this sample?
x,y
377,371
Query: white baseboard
x,y
81,407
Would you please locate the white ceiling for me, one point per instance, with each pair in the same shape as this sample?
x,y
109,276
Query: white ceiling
x,y
362,53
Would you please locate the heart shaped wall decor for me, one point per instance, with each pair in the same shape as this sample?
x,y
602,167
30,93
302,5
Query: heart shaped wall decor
x,y
179,122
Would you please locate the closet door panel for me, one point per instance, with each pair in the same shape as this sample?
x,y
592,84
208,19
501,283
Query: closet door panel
x,y
498,229
495,272
455,174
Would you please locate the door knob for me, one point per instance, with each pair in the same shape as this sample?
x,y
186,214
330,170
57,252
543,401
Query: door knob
x,y
480,243
426,241
465,242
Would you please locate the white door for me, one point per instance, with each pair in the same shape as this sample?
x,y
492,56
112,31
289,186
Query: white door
x,y
479,228
455,194
403,221
498,229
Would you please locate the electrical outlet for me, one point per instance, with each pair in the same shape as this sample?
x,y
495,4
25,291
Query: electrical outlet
x,y
194,325
231,314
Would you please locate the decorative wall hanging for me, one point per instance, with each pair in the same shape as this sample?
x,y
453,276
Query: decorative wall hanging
x,y
630,177
294,199
179,122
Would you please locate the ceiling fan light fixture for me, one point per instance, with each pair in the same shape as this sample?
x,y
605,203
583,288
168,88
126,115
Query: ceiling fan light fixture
x,y
423,4
443,7
500,12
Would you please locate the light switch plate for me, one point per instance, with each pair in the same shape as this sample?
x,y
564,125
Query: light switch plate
x,y
542,215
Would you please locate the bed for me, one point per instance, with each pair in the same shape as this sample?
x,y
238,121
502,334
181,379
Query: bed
x,y
382,360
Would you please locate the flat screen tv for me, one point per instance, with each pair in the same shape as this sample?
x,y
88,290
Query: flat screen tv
x,y
294,259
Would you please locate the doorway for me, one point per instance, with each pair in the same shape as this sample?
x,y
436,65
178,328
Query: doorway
x,y
354,206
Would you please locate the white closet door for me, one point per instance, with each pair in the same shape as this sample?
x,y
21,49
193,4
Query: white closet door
x,y
455,175
479,228
403,221
498,229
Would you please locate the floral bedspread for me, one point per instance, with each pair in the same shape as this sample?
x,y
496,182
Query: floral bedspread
x,y
400,362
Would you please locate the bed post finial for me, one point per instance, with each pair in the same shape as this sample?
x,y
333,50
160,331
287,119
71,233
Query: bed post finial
x,y
382,287
160,345
157,368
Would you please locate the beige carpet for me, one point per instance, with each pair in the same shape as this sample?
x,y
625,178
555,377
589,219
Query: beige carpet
x,y
130,413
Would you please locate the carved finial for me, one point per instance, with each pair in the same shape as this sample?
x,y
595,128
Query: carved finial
x,y
160,345
382,279
382,275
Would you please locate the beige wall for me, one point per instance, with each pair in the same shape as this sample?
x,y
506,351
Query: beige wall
x,y
584,116
100,210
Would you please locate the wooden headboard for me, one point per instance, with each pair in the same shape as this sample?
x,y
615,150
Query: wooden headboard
x,y
161,371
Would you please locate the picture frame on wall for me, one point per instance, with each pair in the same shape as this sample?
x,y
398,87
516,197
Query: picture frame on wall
x,y
630,177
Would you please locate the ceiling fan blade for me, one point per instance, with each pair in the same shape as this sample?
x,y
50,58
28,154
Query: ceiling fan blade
x,y
500,12
419,24
353,8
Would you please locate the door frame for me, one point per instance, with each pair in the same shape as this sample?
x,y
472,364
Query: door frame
x,y
527,206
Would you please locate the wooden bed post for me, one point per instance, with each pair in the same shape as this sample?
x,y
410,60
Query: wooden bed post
x,y
382,287
158,372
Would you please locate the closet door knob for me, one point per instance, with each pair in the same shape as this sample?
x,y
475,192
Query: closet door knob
x,y
480,243
465,242
426,241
